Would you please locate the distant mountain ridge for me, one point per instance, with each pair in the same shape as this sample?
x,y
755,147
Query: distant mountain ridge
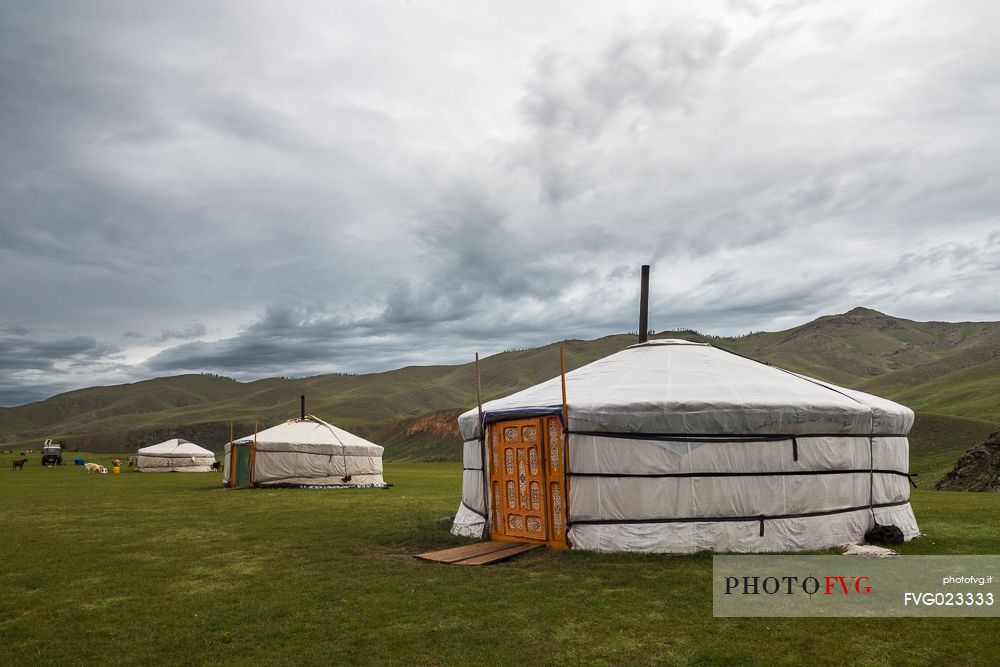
x,y
937,368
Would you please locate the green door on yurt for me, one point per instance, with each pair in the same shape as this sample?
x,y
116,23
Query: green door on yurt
x,y
242,461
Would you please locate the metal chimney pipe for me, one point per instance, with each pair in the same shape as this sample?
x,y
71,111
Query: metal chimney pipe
x,y
644,305
303,403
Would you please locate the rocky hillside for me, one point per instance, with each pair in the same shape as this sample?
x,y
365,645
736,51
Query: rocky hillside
x,y
977,470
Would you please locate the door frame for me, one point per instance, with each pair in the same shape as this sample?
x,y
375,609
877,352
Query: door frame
x,y
553,450
234,464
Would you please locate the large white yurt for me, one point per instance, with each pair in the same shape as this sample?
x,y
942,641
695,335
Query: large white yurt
x,y
177,455
676,446
304,452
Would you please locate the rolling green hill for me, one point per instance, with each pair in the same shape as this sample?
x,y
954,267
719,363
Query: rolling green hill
x,y
948,372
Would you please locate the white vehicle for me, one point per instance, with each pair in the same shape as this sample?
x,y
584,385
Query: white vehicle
x,y
51,453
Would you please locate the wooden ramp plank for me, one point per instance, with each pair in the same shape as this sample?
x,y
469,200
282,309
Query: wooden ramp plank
x,y
460,553
499,554
481,553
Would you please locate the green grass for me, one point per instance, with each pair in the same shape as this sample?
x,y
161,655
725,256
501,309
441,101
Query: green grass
x,y
170,569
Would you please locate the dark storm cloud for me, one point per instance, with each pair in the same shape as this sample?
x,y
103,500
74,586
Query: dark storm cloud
x,y
34,368
21,352
19,393
283,339
296,341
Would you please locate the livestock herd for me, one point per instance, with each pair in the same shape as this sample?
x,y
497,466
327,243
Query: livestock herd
x,y
18,464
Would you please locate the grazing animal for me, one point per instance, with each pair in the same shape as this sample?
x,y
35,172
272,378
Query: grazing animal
x,y
22,453
216,465
19,463
91,467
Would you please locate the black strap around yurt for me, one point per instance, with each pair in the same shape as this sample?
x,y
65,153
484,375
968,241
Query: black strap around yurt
x,y
725,438
764,473
731,519
472,509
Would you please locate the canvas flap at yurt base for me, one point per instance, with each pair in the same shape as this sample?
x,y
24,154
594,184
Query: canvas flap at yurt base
x,y
676,446
303,452
177,455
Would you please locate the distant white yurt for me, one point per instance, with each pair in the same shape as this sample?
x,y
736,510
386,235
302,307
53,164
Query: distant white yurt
x,y
177,455
675,446
304,452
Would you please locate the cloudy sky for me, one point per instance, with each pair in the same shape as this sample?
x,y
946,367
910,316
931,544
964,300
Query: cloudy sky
x,y
288,188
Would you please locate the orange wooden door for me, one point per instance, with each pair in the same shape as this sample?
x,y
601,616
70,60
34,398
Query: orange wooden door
x,y
517,480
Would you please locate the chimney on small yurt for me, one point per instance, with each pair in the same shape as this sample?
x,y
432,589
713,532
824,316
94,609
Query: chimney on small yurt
x,y
303,406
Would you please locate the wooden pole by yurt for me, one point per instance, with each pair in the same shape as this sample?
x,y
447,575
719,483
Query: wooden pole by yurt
x,y
482,447
565,443
232,458
253,454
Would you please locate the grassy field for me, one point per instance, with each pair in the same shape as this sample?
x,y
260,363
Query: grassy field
x,y
170,569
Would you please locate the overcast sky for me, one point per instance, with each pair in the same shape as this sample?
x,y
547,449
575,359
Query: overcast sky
x,y
289,188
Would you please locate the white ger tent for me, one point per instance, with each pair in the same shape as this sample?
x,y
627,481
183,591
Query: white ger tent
x,y
304,452
675,446
177,455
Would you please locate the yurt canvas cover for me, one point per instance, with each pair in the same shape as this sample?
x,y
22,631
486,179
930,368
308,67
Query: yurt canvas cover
x,y
675,446
306,452
177,455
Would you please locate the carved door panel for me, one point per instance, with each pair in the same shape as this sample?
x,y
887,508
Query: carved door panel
x,y
555,476
517,480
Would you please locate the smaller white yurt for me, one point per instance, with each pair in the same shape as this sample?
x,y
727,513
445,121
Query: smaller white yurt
x,y
305,452
177,455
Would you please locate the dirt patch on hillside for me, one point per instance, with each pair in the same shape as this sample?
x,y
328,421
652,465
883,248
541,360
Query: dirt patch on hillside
x,y
444,423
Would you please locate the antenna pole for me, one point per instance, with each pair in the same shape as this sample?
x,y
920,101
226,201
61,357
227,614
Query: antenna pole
x,y
479,397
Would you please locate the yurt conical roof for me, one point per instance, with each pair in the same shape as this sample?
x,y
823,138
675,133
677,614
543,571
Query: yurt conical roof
x,y
175,448
309,435
683,387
